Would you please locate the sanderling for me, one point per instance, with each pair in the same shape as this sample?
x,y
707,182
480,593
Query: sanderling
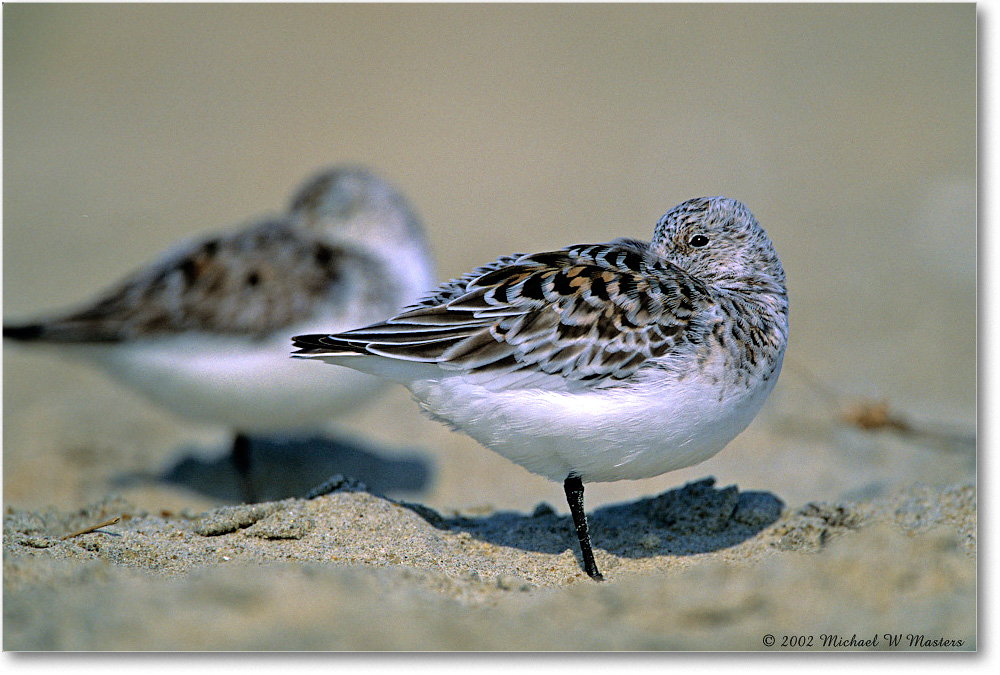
x,y
598,362
204,329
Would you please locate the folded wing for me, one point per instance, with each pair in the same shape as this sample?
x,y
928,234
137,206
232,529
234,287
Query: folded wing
x,y
249,282
587,314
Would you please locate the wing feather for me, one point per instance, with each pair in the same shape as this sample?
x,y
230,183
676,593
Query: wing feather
x,y
251,281
590,313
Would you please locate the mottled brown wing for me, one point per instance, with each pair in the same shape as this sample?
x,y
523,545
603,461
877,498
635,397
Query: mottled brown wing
x,y
586,313
249,282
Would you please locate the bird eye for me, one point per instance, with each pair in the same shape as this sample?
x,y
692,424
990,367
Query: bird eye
x,y
698,241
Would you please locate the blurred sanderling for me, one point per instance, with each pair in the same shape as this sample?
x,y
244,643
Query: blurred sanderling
x,y
203,330
597,362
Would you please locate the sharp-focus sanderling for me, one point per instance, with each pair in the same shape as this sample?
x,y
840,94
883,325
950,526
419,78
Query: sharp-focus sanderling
x,y
597,362
204,329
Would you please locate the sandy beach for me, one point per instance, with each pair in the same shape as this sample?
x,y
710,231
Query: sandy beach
x,y
692,569
843,519
704,565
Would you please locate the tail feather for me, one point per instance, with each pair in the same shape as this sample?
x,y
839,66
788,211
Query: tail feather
x,y
25,333
326,345
65,331
364,357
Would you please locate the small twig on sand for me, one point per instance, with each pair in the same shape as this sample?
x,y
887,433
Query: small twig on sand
x,y
870,415
860,413
110,521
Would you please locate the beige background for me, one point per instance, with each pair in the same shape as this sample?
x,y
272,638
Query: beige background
x,y
849,130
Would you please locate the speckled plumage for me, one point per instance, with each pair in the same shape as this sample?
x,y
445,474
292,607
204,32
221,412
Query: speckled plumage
x,y
596,362
595,316
326,254
203,329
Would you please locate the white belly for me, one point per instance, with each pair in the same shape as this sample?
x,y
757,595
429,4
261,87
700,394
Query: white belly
x,y
600,434
250,387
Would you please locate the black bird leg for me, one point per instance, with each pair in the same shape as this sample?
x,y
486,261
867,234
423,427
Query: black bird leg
x,y
574,495
241,462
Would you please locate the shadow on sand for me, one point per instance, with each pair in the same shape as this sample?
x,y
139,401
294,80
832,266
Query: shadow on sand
x,y
695,518
282,468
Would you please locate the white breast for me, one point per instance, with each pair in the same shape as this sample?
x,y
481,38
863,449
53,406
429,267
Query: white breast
x,y
605,434
246,385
